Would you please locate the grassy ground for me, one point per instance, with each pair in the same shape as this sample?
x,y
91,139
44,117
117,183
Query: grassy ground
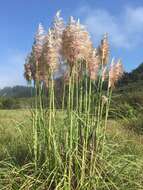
x,y
15,129
11,116
124,152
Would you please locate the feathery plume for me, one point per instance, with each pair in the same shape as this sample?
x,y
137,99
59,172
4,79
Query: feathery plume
x,y
93,64
57,30
50,53
37,51
39,40
76,42
119,69
29,67
104,50
115,73
104,73
28,73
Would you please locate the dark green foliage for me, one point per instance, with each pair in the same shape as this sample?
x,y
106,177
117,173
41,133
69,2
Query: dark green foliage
x,y
9,103
133,76
16,103
127,103
128,97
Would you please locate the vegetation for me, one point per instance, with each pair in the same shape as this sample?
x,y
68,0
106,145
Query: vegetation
x,y
122,165
135,76
84,144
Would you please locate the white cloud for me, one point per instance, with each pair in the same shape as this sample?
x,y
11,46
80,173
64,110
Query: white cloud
x,y
125,29
134,19
11,68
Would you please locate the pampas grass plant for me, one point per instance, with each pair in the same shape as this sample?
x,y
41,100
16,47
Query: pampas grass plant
x,y
69,146
77,153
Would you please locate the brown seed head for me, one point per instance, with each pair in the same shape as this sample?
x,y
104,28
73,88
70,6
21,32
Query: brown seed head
x,y
50,53
76,42
39,40
104,50
57,30
37,52
104,73
115,73
93,64
29,67
28,73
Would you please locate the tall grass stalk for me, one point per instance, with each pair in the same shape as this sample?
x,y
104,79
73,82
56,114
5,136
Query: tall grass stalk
x,y
75,147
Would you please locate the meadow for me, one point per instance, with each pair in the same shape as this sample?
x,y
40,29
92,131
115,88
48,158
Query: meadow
x,y
121,166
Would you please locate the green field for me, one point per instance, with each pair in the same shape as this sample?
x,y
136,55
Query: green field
x,y
124,155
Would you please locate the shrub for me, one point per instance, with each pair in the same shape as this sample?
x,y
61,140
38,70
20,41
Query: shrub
x,y
9,103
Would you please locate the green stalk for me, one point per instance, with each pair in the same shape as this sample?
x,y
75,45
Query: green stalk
x,y
35,129
50,108
99,117
109,95
77,98
86,91
50,114
70,109
63,98
86,129
80,111
97,122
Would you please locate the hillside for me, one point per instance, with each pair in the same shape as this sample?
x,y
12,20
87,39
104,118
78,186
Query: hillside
x,y
135,75
16,92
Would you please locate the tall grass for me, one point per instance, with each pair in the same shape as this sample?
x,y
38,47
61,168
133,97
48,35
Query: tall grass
x,y
72,147
69,148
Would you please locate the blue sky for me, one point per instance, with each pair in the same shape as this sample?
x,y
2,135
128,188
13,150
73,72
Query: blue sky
x,y
122,19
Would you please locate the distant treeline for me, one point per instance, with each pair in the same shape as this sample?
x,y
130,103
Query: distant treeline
x,y
17,92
